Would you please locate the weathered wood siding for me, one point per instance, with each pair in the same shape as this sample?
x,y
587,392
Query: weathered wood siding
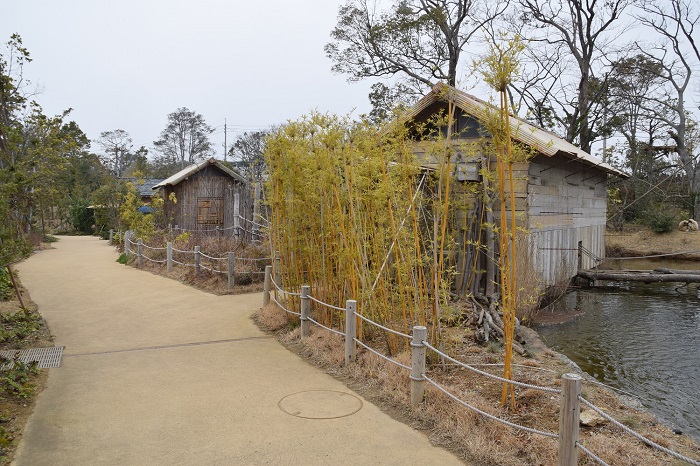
x,y
567,204
210,183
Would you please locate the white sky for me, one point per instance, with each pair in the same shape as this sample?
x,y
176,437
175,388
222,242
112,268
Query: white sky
x,y
127,64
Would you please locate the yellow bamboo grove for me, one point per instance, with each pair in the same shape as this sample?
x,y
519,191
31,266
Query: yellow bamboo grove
x,y
355,217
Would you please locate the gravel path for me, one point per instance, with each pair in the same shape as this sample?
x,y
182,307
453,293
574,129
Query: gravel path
x,y
158,373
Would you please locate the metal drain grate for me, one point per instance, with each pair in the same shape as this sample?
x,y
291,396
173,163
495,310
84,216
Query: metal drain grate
x,y
45,357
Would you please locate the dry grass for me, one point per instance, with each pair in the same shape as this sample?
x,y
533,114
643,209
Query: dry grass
x,y
638,240
248,275
473,438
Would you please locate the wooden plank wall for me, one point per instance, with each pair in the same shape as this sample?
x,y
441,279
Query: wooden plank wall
x,y
209,182
567,203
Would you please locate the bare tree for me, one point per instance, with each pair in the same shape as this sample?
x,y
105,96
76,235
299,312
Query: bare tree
x,y
418,41
569,39
248,154
676,55
117,146
185,139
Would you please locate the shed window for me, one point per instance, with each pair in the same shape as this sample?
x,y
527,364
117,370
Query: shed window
x,y
210,211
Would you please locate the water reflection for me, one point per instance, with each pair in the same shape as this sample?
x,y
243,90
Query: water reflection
x,y
641,338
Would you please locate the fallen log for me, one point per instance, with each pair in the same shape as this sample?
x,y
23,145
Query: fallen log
x,y
649,277
677,271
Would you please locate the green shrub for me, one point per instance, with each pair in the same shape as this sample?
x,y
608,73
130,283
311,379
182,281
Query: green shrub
x,y
81,217
6,289
15,379
661,220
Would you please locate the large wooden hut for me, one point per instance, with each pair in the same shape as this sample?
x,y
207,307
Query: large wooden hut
x,y
561,192
209,196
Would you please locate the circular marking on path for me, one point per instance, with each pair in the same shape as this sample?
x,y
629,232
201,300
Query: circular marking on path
x,y
320,404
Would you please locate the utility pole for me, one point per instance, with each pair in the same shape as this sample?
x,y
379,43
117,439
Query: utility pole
x,y
225,147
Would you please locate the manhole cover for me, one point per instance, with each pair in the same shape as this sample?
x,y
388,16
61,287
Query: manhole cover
x,y
320,404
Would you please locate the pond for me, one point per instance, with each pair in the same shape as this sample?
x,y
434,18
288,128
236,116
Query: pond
x,y
640,338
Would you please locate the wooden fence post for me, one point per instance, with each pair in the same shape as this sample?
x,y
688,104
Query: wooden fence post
x,y
231,263
350,330
140,250
569,414
266,289
237,214
127,250
305,310
111,236
197,259
169,256
420,333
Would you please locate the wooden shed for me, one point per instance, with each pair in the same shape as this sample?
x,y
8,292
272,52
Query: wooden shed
x,y
209,196
561,192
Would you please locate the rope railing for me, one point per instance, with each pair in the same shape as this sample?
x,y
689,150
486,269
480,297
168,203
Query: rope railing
x,y
486,374
213,270
213,258
152,248
252,222
153,260
253,259
279,288
418,374
636,435
210,262
386,358
318,301
184,264
395,332
488,415
591,455
332,330
284,308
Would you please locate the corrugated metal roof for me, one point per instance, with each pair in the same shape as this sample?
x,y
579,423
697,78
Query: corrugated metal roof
x,y
192,169
541,140
144,185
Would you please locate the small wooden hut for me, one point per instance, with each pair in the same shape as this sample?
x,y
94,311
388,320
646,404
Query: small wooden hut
x,y
561,192
209,196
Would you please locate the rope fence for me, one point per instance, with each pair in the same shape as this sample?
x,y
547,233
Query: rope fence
x,y
636,435
569,394
137,248
487,415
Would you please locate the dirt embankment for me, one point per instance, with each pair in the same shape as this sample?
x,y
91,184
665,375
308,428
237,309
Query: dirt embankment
x,y
637,240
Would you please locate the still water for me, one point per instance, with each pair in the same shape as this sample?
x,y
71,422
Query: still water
x,y
640,338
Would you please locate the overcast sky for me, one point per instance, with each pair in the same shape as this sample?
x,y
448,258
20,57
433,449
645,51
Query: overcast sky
x,y
127,64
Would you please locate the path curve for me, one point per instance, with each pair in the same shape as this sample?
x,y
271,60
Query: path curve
x,y
158,373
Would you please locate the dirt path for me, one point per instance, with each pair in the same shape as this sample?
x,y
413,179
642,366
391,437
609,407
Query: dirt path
x,y
156,372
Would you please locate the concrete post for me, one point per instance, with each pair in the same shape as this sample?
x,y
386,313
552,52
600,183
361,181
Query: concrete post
x,y
420,333
231,262
569,420
305,310
169,256
350,330
140,251
197,259
266,289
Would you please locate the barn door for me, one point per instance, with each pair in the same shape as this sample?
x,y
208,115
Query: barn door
x,y
210,211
